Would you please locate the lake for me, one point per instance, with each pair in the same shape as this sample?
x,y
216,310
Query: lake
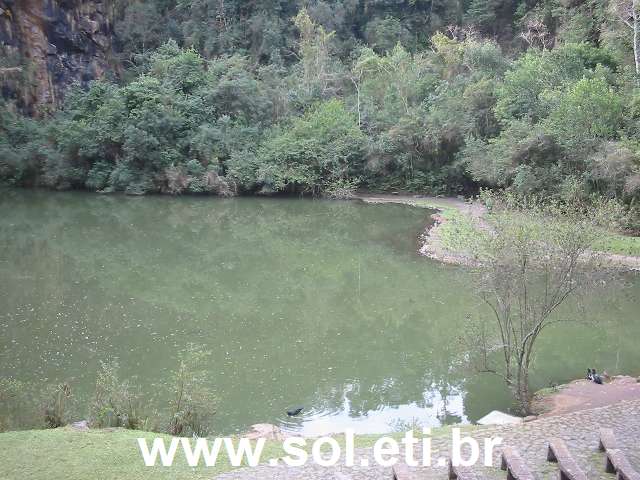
x,y
322,304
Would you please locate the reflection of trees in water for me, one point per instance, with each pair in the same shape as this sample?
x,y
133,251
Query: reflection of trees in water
x,y
270,285
430,378
300,302
444,415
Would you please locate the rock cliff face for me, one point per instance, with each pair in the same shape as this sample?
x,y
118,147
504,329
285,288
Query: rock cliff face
x,y
48,45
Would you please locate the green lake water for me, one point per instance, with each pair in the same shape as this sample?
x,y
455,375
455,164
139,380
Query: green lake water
x,y
320,304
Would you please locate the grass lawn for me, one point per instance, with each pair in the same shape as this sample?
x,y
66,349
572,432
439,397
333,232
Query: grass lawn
x,y
66,454
458,230
113,454
620,244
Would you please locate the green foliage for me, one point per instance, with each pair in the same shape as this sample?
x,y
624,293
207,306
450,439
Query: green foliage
x,y
114,403
537,72
342,189
192,399
484,57
520,155
317,149
483,13
383,34
141,27
22,149
54,405
587,111
169,130
613,171
218,28
326,96
315,56
12,401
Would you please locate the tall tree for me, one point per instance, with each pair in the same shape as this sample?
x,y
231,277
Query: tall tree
x,y
628,12
314,54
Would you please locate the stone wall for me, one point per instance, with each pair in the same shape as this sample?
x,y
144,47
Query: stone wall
x,y
48,45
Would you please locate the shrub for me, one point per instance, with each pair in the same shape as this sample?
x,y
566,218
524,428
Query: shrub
x,y
114,403
13,399
342,189
192,400
321,147
584,112
55,405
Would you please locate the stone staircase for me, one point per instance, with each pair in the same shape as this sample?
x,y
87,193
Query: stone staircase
x,y
614,462
598,439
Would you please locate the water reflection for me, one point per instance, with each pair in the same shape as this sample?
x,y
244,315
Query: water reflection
x,y
313,303
433,409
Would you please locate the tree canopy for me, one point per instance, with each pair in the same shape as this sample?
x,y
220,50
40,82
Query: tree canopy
x,y
231,97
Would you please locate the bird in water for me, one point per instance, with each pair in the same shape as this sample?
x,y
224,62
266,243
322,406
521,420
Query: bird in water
x,y
294,412
595,377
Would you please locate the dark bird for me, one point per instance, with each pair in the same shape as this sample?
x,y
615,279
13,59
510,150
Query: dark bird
x,y
294,411
595,377
589,374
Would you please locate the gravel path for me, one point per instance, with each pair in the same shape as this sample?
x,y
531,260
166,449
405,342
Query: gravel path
x,y
578,429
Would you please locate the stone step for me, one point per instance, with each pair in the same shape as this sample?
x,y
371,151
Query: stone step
x,y
558,452
401,471
615,459
607,439
513,464
463,473
617,463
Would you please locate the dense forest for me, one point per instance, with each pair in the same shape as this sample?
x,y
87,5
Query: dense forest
x,y
329,96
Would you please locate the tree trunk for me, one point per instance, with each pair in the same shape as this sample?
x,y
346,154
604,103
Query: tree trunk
x,y
636,34
521,390
357,87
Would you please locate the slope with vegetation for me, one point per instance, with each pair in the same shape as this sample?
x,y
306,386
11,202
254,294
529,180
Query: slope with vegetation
x,y
330,96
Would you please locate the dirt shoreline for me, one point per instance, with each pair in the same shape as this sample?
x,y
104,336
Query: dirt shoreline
x,y
430,241
431,245
584,395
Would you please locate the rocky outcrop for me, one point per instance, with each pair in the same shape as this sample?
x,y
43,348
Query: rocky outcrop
x,y
265,430
48,45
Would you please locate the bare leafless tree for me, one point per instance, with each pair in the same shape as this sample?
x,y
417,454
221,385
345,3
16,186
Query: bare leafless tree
x,y
628,11
530,261
536,34
456,32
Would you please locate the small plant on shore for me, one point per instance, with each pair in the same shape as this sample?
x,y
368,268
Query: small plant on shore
x,y
192,399
12,395
27,405
114,403
55,405
400,425
342,189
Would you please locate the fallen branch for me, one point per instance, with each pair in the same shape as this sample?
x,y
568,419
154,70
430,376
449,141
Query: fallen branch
x,y
10,70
